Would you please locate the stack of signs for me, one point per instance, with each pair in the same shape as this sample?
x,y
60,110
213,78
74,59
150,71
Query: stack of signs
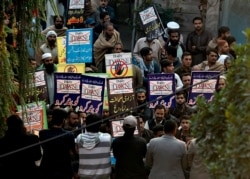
x,y
34,116
203,84
121,95
39,88
67,89
161,89
151,22
92,94
74,16
79,45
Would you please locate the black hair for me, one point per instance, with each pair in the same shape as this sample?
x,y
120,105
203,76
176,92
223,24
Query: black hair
x,y
103,14
93,122
160,106
165,63
171,50
157,128
185,54
223,30
197,18
170,126
211,50
58,117
55,17
230,39
145,51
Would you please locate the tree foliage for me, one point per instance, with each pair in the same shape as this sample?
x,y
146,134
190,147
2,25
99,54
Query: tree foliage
x,y
222,127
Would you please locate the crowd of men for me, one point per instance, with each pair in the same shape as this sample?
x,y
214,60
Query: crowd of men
x,y
80,145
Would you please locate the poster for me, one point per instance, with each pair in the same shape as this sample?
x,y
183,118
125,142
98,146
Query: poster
x,y
92,94
162,87
74,13
119,64
67,89
38,87
203,83
34,116
71,68
61,49
151,22
79,45
121,95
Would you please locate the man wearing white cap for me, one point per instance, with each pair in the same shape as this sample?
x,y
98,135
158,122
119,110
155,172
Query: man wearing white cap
x,y
50,46
129,152
49,67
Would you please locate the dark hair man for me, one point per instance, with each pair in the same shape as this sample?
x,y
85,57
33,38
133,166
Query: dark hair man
x,y
166,148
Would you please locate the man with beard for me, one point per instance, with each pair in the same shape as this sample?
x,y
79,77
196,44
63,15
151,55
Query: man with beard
x,y
58,27
50,46
174,40
211,64
186,61
181,108
104,44
49,67
143,108
197,41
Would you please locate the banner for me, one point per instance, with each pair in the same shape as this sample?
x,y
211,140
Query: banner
x,y
34,116
74,13
71,68
161,85
92,94
67,89
151,22
61,49
119,64
38,87
121,95
79,43
206,84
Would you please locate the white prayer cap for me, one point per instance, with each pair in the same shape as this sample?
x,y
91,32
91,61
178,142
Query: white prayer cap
x,y
173,25
51,32
46,55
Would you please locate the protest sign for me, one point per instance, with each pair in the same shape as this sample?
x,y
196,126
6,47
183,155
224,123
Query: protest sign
x,y
79,44
74,13
61,49
67,89
119,64
121,95
92,94
161,86
151,22
71,68
203,84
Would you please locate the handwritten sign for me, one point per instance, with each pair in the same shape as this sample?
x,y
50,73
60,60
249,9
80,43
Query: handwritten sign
x,y
67,89
33,115
38,88
71,68
161,86
119,64
121,95
79,44
206,85
74,15
151,22
61,49
92,94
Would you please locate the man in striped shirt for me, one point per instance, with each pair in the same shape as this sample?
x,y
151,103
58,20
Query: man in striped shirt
x,y
94,150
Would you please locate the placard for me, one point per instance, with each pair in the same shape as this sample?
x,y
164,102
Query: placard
x,y
121,95
203,83
67,89
151,22
119,64
162,87
92,94
61,49
79,43
71,68
74,15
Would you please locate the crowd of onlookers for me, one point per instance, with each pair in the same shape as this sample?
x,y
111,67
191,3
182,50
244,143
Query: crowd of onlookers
x,y
80,145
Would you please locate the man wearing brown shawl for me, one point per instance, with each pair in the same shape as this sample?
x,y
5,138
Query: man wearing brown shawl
x,y
104,44
58,27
